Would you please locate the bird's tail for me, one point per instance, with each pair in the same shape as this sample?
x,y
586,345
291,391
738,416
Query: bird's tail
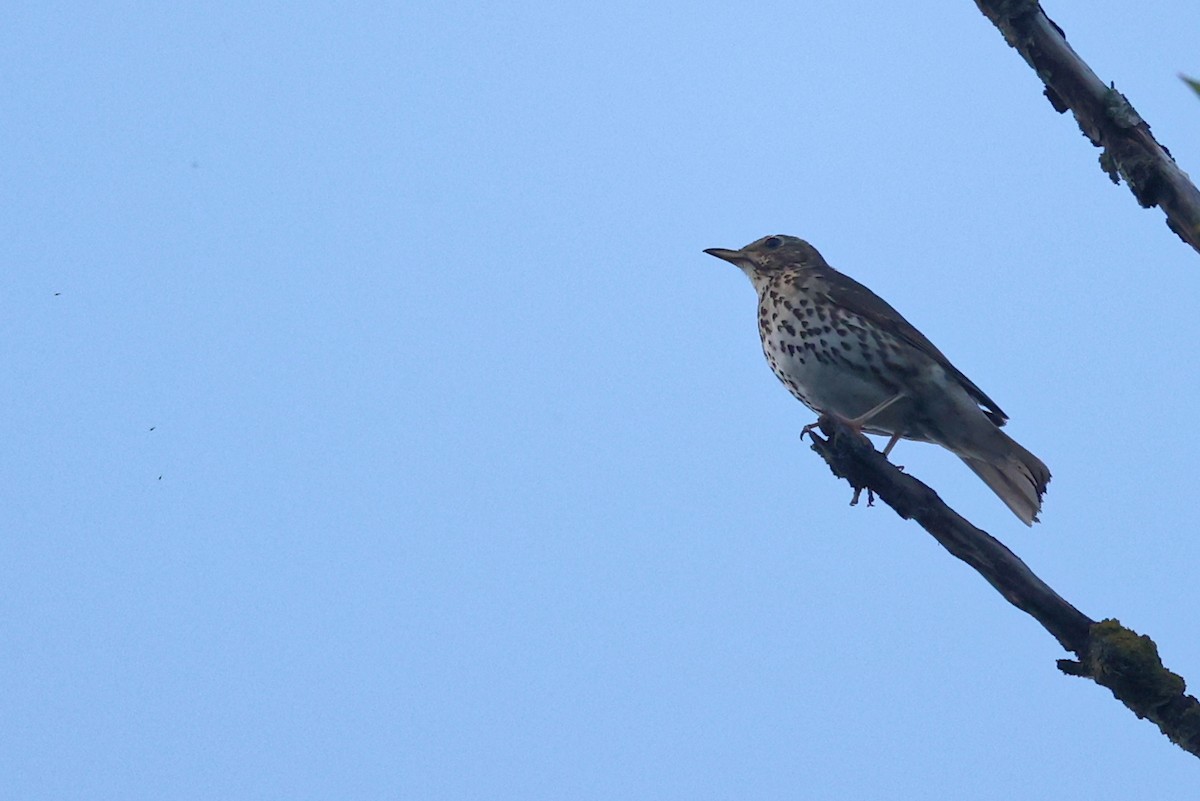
x,y
1017,476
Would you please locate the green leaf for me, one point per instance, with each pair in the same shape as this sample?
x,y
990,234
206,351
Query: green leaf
x,y
1192,82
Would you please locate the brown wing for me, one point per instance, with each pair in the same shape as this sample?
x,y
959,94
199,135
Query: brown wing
x,y
848,293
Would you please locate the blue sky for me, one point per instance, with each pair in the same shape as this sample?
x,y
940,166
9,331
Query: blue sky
x,y
376,428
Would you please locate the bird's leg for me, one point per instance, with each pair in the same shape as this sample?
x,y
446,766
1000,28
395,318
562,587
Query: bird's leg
x,y
858,423
863,419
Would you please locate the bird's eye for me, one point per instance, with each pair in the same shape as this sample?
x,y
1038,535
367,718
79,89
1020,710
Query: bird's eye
x,y
772,243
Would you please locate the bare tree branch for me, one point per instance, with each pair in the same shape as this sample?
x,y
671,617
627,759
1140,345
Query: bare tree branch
x,y
1108,653
1104,115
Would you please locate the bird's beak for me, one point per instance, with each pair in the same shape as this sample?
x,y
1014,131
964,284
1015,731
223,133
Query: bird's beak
x,y
735,257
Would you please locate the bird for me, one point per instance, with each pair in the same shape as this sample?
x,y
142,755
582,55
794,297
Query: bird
x,y
843,351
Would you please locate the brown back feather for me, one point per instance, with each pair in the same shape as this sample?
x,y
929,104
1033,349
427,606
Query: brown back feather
x,y
848,293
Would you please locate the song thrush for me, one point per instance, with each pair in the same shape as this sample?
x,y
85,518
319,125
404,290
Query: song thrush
x,y
843,351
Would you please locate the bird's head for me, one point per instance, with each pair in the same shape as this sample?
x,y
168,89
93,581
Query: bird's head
x,y
769,255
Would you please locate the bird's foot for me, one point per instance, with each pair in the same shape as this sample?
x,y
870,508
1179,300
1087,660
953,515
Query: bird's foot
x,y
809,429
854,425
